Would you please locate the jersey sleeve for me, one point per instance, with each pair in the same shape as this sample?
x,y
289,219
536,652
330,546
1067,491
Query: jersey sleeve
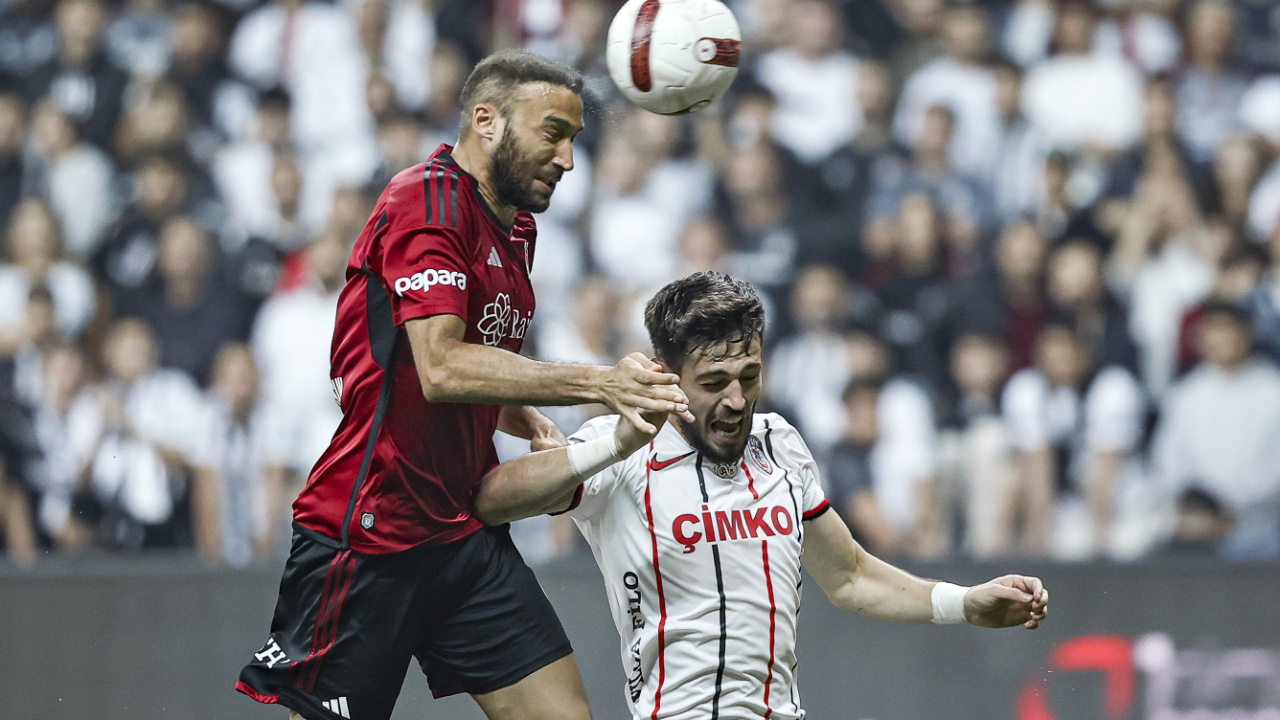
x,y
791,451
425,271
594,493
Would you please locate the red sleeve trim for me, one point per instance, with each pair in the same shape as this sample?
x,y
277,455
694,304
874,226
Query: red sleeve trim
x,y
824,506
577,500
268,699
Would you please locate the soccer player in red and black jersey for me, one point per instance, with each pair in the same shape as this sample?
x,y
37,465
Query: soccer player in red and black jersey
x,y
388,563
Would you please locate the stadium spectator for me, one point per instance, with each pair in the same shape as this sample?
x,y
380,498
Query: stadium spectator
x,y
920,303
126,260
810,365
1164,259
27,36
903,509
1074,425
815,82
34,251
960,81
80,78
758,212
151,418
1236,166
191,307
1010,302
1080,97
13,130
974,464
1220,434
75,176
239,484
1079,298
67,425
1239,273
322,68
198,66
290,339
1212,84
1017,180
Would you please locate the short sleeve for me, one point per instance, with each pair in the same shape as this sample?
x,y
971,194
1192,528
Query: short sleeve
x,y
1113,410
790,451
425,270
594,493
1024,401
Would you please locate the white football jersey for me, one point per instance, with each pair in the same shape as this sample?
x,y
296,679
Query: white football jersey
x,y
701,564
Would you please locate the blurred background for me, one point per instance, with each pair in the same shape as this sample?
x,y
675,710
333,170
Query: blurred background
x,y
1019,257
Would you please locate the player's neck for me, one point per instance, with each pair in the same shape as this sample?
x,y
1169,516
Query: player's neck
x,y
472,158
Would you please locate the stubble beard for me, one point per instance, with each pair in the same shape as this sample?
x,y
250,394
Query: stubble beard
x,y
512,174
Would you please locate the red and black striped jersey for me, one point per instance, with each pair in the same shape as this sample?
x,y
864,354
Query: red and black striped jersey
x,y
400,471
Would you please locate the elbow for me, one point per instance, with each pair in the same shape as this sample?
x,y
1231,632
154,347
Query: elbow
x,y
437,384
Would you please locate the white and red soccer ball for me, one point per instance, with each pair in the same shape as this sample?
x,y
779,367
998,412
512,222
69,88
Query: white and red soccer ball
x,y
673,56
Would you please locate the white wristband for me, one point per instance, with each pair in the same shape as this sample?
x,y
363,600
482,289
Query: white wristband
x,y
590,457
948,603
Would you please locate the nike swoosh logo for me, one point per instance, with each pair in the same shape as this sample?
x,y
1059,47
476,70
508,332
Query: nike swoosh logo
x,y
656,464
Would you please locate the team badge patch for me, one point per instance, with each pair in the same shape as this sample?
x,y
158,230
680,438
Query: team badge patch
x,y
756,451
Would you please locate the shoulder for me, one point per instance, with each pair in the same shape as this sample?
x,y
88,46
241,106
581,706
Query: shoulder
x,y
1115,381
1024,384
781,439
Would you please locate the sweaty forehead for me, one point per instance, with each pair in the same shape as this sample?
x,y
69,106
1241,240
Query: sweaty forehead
x,y
541,101
731,358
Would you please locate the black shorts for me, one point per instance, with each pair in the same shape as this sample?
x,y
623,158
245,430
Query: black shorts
x,y
346,625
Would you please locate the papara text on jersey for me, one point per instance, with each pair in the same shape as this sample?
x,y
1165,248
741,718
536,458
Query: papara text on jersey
x,y
731,525
425,279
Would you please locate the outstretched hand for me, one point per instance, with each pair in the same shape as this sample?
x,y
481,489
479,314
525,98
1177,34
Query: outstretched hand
x,y
1007,601
637,385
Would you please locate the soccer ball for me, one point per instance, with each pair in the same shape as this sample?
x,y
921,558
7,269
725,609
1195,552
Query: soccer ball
x,y
673,57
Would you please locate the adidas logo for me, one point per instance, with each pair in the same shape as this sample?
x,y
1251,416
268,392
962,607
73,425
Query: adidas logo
x,y
493,257
337,707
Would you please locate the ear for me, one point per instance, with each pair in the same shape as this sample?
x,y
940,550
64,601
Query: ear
x,y
486,121
664,366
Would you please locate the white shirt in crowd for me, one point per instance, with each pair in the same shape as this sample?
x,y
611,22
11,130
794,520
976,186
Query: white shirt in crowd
x,y
818,108
1220,431
1107,416
701,565
1166,285
80,193
1078,99
239,453
70,285
291,339
969,91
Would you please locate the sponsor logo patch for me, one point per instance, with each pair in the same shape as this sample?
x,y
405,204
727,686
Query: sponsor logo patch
x,y
428,278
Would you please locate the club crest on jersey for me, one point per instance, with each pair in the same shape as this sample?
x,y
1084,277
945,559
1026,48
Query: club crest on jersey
x,y
756,451
725,470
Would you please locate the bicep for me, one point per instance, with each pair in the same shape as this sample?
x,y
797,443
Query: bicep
x,y
431,338
830,552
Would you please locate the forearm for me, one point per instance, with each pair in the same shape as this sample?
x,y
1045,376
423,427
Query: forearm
x,y
1100,491
466,372
532,484
882,591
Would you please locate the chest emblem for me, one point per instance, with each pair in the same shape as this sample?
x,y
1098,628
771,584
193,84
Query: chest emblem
x,y
500,321
756,451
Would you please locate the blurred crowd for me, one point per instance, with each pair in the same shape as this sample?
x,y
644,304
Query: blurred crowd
x,y
1019,256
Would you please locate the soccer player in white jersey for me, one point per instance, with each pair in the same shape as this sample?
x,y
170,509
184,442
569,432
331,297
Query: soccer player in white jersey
x,y
700,530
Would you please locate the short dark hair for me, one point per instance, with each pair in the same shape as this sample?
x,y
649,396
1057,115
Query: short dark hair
x,y
495,79
700,312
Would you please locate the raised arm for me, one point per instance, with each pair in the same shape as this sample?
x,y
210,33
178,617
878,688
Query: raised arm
x,y
452,370
545,482
858,582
